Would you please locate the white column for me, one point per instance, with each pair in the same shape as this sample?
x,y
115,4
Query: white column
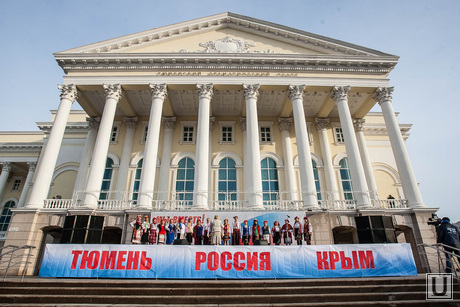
x,y
6,169
113,93
307,177
289,175
202,147
372,185
329,173
25,189
408,180
149,166
82,175
254,184
45,168
246,181
123,170
163,184
358,177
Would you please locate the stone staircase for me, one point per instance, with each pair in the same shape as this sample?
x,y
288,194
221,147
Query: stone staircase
x,y
394,291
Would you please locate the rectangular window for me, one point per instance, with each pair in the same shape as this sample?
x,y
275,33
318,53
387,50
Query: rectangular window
x,y
227,134
265,134
16,184
339,135
144,137
114,134
187,134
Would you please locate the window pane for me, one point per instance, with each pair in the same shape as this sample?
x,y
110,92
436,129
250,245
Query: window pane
x,y
181,174
232,174
223,163
189,186
222,186
265,186
232,186
263,163
222,174
190,174
264,174
180,185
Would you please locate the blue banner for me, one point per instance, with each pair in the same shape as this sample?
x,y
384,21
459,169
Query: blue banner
x,y
229,262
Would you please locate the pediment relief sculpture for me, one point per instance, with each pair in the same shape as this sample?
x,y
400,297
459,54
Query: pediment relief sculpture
x,y
227,45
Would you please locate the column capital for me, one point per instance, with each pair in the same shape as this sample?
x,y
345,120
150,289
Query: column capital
x,y
285,123
322,123
359,124
159,90
131,122
243,123
296,91
93,122
169,122
31,166
340,92
7,166
68,91
383,94
113,91
251,90
205,90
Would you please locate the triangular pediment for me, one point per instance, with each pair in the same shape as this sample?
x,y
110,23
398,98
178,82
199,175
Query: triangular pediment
x,y
225,33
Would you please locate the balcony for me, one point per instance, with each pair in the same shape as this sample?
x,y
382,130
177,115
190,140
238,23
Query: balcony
x,y
226,202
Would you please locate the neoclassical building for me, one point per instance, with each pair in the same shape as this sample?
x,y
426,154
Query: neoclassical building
x,y
224,113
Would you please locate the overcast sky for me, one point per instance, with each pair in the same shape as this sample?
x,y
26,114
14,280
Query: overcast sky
x,y
423,33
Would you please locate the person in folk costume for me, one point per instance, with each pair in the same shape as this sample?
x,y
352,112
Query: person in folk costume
x,y
161,232
198,232
246,232
276,233
266,232
170,232
180,229
286,231
307,230
207,232
137,231
236,231
255,231
216,232
226,232
298,230
145,230
189,230
153,231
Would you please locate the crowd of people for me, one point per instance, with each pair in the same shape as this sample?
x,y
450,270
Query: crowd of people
x,y
217,233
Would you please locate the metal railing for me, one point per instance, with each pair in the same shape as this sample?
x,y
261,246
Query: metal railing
x,y
10,259
229,201
434,258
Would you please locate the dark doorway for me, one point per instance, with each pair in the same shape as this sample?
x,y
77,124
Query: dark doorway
x,y
51,235
111,235
345,235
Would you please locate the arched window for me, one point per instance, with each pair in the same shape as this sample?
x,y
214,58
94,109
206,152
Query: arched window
x,y
315,172
106,180
184,180
345,177
270,186
5,217
227,180
137,181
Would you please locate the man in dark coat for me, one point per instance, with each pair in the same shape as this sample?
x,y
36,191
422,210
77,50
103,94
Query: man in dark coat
x,y
449,235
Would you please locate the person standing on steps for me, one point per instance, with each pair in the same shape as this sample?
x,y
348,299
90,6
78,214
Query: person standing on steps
x,y
449,235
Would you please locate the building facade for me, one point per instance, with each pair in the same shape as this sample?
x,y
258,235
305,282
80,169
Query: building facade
x,y
224,113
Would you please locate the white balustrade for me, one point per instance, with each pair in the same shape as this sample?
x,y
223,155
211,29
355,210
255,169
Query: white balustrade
x,y
57,203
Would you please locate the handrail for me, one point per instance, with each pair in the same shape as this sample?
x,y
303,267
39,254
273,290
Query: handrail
x,y
436,259
12,257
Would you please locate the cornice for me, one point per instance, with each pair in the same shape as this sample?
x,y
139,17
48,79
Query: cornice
x,y
71,127
382,130
21,147
228,20
225,62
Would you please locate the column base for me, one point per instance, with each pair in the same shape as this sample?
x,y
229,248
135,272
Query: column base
x,y
33,206
416,205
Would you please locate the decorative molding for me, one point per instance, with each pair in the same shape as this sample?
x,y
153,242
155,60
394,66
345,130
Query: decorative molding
x,y
21,147
169,123
340,92
227,45
359,124
383,94
7,167
285,123
31,166
205,91
159,91
322,123
251,91
296,91
112,91
68,91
